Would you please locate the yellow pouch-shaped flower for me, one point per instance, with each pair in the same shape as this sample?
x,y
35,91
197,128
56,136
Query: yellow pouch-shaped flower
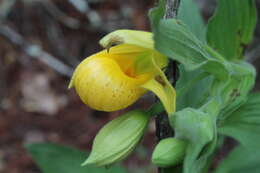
x,y
117,76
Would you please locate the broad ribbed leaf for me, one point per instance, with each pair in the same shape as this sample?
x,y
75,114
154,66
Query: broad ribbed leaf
x,y
190,15
232,26
174,39
244,123
192,84
52,158
241,160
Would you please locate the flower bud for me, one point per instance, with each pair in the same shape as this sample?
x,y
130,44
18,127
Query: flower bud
x,y
117,139
169,152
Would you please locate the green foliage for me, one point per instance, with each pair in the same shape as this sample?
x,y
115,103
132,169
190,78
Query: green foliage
x,y
52,158
232,81
224,87
232,26
189,14
174,39
241,160
192,84
244,123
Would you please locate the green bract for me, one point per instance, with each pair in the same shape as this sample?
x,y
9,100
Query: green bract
x,y
169,152
117,139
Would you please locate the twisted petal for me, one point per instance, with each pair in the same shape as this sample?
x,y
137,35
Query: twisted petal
x,y
140,39
161,87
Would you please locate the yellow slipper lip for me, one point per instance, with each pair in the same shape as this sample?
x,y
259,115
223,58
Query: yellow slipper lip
x,y
116,77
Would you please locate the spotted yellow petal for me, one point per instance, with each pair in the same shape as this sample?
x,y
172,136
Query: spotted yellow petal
x,y
114,79
104,86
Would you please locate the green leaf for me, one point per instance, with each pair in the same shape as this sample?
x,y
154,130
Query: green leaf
x,y
176,41
156,14
192,84
173,39
241,160
232,26
190,15
244,123
52,158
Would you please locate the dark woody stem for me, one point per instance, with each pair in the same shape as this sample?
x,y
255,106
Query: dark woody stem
x,y
163,128
171,8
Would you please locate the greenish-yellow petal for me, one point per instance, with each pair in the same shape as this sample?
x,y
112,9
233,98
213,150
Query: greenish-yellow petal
x,y
124,36
141,39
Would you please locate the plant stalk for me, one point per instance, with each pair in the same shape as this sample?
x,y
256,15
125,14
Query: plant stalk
x,y
163,128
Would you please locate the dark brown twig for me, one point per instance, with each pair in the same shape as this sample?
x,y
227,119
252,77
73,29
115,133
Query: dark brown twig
x,y
162,123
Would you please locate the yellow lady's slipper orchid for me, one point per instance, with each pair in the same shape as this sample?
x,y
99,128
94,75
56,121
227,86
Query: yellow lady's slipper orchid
x,y
117,76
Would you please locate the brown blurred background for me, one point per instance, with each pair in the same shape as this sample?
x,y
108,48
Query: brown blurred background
x,y
41,42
